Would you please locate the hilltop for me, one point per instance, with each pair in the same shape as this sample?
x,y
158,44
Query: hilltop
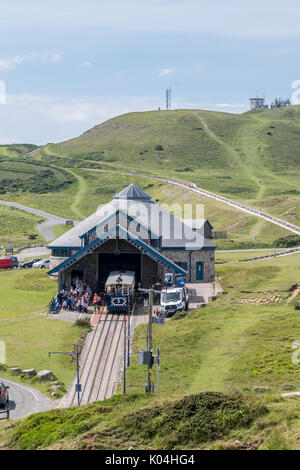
x,y
244,155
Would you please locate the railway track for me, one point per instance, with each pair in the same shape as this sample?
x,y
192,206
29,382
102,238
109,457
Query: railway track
x,y
99,362
193,187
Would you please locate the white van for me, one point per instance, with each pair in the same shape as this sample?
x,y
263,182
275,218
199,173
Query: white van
x,y
174,299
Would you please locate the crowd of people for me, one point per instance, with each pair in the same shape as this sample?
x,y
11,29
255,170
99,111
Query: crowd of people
x,y
76,298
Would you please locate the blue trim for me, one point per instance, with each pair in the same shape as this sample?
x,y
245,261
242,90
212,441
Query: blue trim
x,y
129,236
51,247
58,267
199,270
118,212
103,222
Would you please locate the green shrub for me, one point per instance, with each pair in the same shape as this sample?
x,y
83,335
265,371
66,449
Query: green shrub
x,y
288,241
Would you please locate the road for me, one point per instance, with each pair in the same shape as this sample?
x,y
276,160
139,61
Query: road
x,y
34,252
45,228
24,400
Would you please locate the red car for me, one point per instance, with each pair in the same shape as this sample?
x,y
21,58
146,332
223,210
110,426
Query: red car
x,y
6,263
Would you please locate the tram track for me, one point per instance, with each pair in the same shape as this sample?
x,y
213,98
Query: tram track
x,y
100,361
100,358
107,385
203,192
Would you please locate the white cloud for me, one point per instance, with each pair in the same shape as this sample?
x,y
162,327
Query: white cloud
x,y
165,72
12,62
87,64
42,119
270,18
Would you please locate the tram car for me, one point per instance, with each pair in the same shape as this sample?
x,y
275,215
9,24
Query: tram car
x,y
119,291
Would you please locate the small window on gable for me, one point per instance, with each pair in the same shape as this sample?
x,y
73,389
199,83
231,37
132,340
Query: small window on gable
x,y
138,228
106,228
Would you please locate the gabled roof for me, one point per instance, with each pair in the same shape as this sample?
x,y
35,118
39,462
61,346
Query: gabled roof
x,y
131,238
175,234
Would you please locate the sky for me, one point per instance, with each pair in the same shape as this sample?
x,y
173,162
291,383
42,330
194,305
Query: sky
x,y
68,65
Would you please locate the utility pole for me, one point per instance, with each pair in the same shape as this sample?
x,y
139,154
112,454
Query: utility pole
x,y
124,364
77,352
149,382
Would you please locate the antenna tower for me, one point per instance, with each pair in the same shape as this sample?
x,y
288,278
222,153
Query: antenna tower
x,y
168,98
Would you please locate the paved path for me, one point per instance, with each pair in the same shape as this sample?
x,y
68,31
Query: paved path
x,y
290,394
202,293
36,252
24,400
45,228
68,316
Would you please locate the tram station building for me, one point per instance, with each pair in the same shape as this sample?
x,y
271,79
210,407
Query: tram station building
x,y
131,233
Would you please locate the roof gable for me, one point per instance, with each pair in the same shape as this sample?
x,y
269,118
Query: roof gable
x,y
156,220
131,238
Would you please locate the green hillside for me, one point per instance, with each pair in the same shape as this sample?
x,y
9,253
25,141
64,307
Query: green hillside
x,y
222,370
253,157
251,147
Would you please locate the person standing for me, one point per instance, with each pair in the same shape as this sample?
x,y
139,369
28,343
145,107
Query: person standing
x,y
96,302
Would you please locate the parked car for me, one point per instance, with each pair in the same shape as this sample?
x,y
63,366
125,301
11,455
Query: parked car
x,y
173,300
43,263
169,279
172,279
15,261
28,264
180,281
6,263
4,398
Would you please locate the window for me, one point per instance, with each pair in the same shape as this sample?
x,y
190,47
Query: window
x,y
61,252
170,296
182,264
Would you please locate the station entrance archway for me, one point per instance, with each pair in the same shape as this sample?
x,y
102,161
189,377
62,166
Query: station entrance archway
x,y
123,261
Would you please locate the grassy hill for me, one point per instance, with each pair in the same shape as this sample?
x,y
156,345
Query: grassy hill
x,y
211,362
253,157
241,155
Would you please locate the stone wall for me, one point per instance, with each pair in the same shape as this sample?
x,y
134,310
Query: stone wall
x,y
55,261
204,256
149,268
